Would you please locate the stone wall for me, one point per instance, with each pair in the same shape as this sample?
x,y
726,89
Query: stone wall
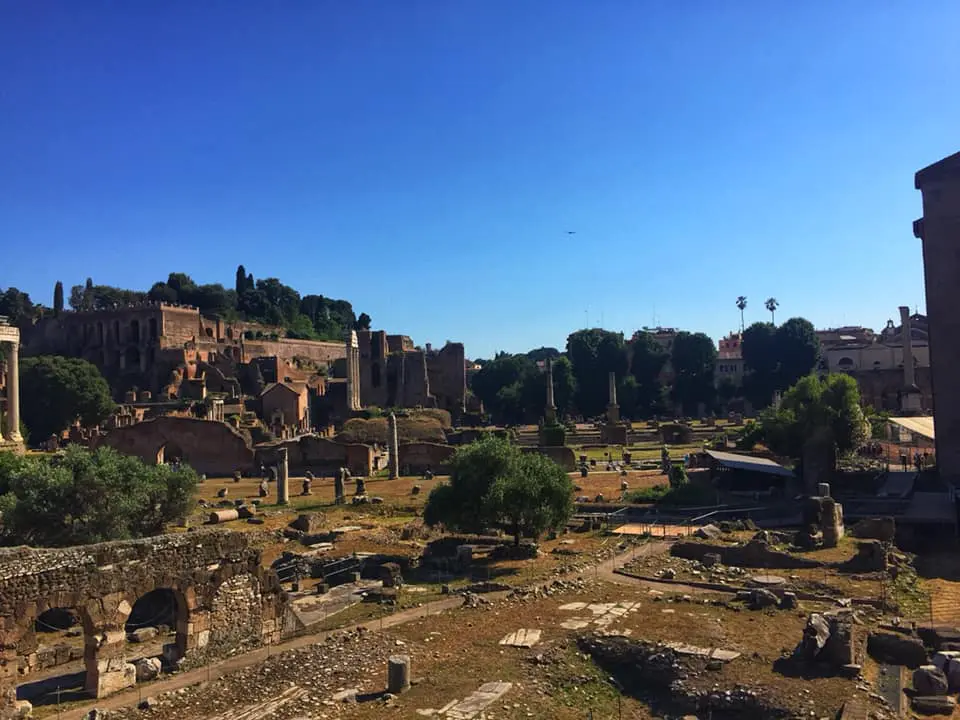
x,y
322,455
214,448
417,457
753,554
563,456
103,582
446,369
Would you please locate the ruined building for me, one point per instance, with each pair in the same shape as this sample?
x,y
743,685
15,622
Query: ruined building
x,y
153,345
939,231
395,373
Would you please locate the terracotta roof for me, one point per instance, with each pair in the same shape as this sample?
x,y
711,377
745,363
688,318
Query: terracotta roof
x,y
295,388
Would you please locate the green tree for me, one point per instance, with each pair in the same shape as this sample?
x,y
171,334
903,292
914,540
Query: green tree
x,y
595,353
17,306
814,406
492,482
776,358
363,322
57,299
771,304
542,354
56,391
160,292
646,363
798,351
240,283
564,385
81,496
500,386
694,358
741,306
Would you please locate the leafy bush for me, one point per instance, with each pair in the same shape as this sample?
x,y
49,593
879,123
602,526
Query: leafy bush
x,y
80,496
56,391
553,435
688,494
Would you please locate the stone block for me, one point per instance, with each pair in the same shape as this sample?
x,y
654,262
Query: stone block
x,y
148,669
930,680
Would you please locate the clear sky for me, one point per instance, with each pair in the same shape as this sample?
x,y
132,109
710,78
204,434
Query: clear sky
x,y
426,160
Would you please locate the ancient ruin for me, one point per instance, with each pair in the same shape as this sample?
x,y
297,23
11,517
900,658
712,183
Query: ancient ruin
x,y
10,437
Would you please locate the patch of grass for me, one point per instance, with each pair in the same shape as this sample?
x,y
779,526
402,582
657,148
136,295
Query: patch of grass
x,y
686,494
909,595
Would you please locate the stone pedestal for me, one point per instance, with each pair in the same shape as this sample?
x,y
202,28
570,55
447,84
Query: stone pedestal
x,y
107,668
398,674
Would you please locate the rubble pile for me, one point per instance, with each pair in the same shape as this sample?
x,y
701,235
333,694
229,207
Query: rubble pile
x,y
310,681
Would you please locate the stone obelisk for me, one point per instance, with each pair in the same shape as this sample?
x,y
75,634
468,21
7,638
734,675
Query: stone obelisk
x,y
613,410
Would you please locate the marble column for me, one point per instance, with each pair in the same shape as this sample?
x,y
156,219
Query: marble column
x,y
353,371
13,392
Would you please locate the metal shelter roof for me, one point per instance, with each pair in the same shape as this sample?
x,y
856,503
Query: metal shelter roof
x,y
922,425
749,463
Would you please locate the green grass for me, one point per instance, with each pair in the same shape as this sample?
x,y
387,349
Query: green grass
x,y
687,494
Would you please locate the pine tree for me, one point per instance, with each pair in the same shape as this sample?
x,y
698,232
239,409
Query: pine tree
x,y
57,299
241,282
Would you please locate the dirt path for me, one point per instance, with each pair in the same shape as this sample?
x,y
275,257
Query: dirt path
x,y
603,571
224,667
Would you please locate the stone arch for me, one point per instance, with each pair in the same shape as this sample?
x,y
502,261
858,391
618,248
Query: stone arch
x,y
134,331
161,606
170,452
42,644
845,363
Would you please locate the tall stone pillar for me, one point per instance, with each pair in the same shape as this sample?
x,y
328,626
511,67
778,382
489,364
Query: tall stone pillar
x,y
939,230
394,448
353,371
10,337
283,477
105,649
550,412
910,394
613,410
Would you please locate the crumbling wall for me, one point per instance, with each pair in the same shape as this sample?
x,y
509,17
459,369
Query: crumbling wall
x,y
102,583
214,448
446,370
323,455
562,455
754,554
418,457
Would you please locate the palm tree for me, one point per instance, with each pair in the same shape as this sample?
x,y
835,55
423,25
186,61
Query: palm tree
x,y
742,304
772,306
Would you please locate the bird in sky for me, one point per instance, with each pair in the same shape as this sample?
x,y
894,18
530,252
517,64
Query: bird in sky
x,y
571,232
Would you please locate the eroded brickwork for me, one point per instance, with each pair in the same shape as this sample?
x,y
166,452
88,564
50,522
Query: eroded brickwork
x,y
221,591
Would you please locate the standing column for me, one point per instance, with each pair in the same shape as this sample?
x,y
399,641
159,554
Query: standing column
x,y
13,393
613,410
394,448
910,395
283,491
353,371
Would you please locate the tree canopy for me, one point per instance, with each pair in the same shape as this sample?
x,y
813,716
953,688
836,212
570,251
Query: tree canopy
x,y
693,358
814,406
493,483
80,496
777,357
595,353
56,391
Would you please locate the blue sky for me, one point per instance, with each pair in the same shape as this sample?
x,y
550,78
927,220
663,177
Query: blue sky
x,y
425,160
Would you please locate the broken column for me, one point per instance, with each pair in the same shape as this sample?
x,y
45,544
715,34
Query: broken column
x,y
394,448
910,394
353,371
105,649
339,491
398,674
283,490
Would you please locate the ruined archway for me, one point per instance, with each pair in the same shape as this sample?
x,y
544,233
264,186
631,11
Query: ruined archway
x,y
157,626
169,453
51,658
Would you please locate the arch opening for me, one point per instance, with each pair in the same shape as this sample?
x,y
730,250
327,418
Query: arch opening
x,y
157,627
52,664
170,453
